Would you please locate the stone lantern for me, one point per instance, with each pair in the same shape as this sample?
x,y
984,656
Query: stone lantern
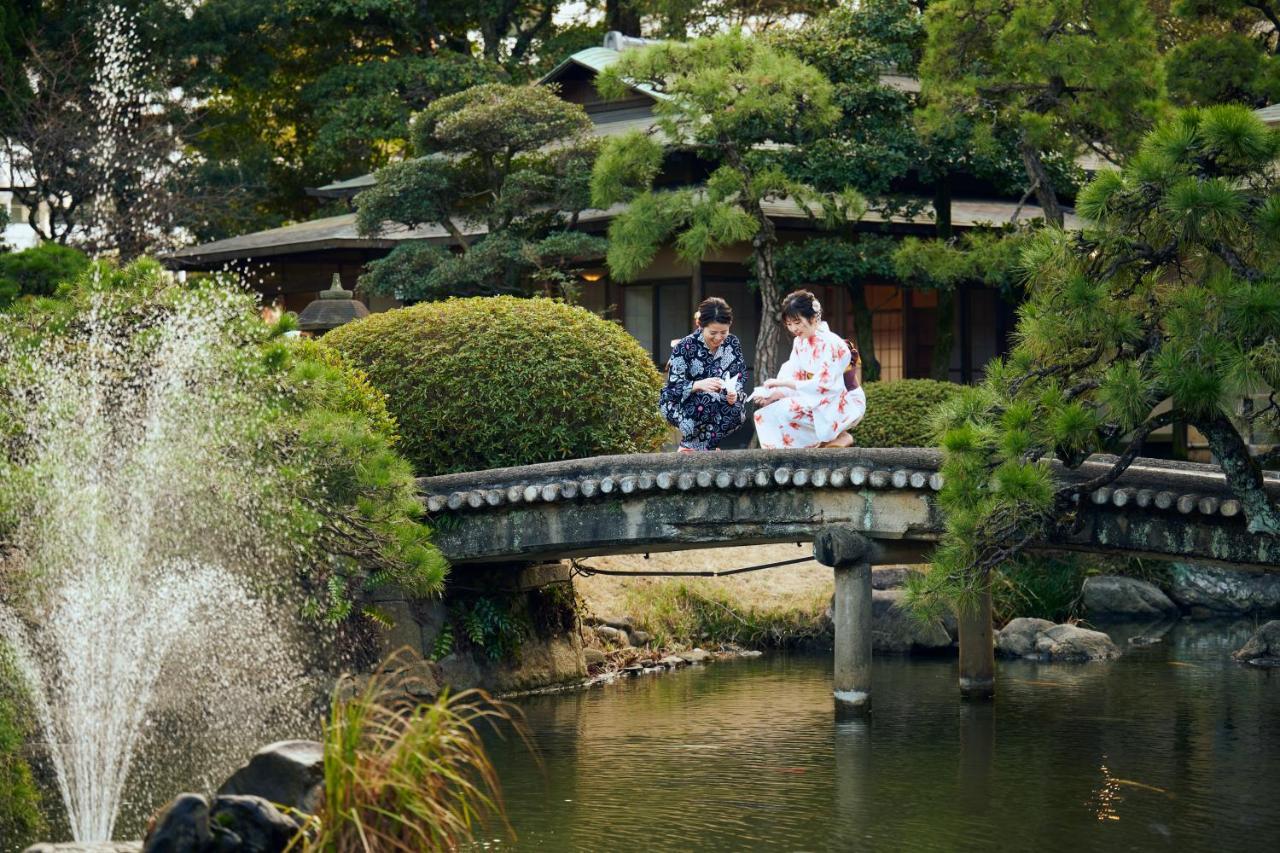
x,y
331,309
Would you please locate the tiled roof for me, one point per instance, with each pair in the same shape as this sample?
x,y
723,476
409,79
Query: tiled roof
x,y
338,232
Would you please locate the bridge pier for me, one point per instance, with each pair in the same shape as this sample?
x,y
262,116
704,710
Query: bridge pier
x,y
977,650
848,552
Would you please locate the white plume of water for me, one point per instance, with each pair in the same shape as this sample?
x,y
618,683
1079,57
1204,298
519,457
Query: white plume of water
x,y
137,615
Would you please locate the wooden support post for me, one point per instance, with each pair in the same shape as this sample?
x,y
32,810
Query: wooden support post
x,y
977,650
848,552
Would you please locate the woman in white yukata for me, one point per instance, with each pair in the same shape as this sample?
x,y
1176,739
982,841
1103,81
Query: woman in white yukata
x,y
809,404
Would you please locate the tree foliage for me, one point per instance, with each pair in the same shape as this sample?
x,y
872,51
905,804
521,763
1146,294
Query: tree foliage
x,y
503,170
334,512
735,102
21,821
990,258
38,271
1062,76
91,121
1225,51
1169,294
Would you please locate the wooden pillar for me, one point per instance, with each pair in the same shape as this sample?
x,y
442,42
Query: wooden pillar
x,y
848,552
977,650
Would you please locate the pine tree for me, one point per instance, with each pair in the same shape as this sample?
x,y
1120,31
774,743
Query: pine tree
x,y
1062,75
738,104
513,160
1164,309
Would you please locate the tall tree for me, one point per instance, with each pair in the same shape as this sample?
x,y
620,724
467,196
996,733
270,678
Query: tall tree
x,y
1063,76
89,119
736,103
1223,51
871,54
504,170
295,95
1165,308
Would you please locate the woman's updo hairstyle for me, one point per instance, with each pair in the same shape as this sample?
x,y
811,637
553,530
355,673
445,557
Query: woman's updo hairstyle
x,y
714,310
801,305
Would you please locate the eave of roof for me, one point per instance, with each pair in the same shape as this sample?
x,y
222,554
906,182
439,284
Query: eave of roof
x,y
339,232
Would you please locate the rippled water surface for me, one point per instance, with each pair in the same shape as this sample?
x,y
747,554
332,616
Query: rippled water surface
x,y
1173,747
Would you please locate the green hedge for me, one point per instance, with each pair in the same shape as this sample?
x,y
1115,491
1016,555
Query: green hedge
x,y
900,414
489,382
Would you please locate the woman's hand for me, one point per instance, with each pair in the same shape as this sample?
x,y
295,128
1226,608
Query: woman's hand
x,y
779,383
710,385
772,398
731,396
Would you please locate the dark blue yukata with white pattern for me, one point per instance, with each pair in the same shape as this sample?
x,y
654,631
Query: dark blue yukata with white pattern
x,y
703,419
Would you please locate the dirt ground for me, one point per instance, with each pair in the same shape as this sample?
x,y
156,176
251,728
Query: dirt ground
x,y
803,585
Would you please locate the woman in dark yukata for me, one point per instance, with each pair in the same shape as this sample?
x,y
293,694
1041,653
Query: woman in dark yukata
x,y
706,378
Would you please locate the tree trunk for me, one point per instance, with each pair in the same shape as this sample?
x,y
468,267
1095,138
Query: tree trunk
x,y
1039,179
945,334
620,15
1244,474
945,340
862,328
771,340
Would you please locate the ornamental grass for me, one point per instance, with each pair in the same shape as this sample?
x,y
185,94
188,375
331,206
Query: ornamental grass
x,y
401,775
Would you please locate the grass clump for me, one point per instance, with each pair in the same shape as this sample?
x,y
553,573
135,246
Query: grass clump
x,y
678,613
404,776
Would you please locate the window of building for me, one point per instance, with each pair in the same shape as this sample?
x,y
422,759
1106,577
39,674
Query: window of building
x,y
17,210
885,303
657,313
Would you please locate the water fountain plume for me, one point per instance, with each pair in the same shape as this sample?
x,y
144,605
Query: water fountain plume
x,y
143,546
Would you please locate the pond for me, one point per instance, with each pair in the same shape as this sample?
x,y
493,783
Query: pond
x,y
1174,746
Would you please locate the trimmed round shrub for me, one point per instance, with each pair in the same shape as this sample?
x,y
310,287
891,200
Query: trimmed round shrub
x,y
490,382
900,414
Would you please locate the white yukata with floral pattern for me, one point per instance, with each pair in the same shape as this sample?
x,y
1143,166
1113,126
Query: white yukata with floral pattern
x,y
819,408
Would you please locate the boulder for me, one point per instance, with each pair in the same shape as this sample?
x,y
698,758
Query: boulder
x,y
1115,597
542,661
673,661
694,656
894,629
640,638
459,671
1018,638
181,827
593,657
1073,643
1263,648
289,773
1222,591
250,825
609,634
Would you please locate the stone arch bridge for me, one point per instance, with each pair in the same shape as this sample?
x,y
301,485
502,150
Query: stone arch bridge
x,y
859,506
656,502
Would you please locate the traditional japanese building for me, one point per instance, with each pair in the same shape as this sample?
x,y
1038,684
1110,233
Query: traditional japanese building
x,y
295,263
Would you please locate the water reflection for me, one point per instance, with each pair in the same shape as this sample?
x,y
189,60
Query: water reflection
x,y
1133,755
